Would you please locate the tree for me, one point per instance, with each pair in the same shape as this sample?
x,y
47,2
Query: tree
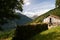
x,y
7,9
57,4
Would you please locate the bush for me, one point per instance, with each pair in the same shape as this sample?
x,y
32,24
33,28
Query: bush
x,y
25,32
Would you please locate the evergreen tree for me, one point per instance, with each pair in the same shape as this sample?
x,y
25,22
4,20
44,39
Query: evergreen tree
x,y
57,4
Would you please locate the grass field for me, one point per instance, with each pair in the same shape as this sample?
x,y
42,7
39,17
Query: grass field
x,y
7,35
51,34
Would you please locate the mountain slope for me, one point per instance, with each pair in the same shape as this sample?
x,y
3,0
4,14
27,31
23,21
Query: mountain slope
x,y
55,11
23,19
12,24
35,16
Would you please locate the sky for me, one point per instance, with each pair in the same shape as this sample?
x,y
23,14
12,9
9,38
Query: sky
x,y
37,7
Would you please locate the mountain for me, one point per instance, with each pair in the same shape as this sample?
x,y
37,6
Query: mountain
x,y
12,24
55,11
23,19
35,16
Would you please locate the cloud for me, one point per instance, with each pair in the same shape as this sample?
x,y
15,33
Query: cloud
x,y
37,12
26,2
40,12
29,14
44,5
38,9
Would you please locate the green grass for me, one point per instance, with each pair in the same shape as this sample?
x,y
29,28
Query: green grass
x,y
51,34
7,35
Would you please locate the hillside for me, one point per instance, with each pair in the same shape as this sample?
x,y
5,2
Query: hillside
x,y
55,11
23,19
12,24
52,34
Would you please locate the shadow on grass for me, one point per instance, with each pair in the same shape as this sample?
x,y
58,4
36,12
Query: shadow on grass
x,y
49,36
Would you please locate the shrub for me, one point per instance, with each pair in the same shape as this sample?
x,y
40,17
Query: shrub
x,y
25,32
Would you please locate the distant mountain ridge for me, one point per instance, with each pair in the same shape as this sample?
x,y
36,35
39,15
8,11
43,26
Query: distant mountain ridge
x,y
35,16
55,11
23,19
